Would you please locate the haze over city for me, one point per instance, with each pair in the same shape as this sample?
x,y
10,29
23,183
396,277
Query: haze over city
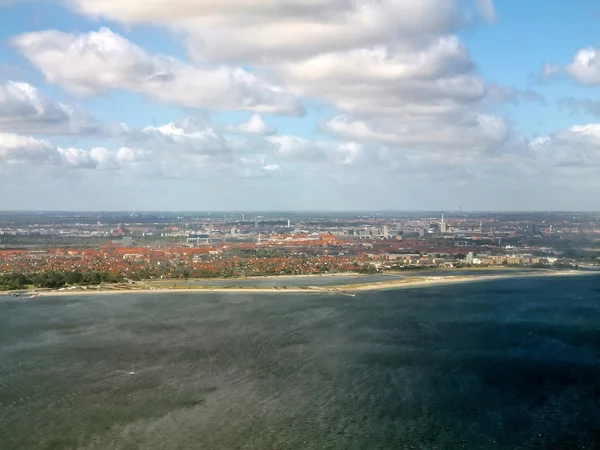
x,y
299,105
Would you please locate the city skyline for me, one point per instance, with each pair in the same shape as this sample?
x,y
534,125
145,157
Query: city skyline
x,y
313,105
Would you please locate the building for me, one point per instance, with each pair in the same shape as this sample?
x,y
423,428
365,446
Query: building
x,y
198,239
470,258
532,229
364,233
443,225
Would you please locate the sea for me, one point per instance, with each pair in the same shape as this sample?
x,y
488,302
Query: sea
x,y
503,364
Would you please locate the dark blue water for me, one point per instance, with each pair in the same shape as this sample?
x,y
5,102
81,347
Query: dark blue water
x,y
509,364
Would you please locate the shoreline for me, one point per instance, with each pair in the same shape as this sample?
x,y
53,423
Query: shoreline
x,y
340,289
460,279
407,273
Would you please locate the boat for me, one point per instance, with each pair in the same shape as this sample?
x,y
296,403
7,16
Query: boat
x,y
16,295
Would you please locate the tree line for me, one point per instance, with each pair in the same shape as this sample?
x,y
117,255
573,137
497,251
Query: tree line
x,y
55,280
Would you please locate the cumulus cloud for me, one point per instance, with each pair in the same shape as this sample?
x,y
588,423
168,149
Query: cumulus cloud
x,y
427,99
183,138
585,67
376,57
192,148
15,148
497,94
98,62
407,104
23,109
483,133
241,30
323,155
487,11
379,63
380,80
549,70
430,98
255,125
575,148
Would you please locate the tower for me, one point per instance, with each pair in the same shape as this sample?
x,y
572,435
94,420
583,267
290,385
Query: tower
x,y
470,258
443,225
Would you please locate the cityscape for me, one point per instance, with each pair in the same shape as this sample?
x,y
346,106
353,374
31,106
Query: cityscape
x,y
145,246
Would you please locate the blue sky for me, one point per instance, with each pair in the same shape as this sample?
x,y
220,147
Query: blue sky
x,y
527,35
249,104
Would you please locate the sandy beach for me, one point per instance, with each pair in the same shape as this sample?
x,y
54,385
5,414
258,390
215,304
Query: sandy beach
x,y
433,280
411,282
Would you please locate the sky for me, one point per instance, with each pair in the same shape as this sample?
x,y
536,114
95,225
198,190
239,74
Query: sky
x,y
294,105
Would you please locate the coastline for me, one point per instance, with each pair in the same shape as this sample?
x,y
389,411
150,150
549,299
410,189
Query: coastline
x,y
414,282
436,281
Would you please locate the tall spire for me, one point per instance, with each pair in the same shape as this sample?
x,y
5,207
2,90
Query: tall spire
x,y
443,225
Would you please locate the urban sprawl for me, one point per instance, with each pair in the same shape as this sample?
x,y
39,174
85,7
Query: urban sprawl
x,y
93,248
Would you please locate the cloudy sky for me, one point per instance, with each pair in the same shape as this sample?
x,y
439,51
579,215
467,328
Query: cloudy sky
x,y
299,104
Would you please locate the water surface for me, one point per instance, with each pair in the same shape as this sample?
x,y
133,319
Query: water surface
x,y
508,364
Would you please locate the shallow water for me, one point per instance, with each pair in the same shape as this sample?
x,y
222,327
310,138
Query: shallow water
x,y
505,364
339,280
297,281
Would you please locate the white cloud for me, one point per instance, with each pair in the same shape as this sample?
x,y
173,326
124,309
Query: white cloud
x,y
487,11
429,98
18,149
98,62
387,65
15,148
549,70
498,94
185,139
408,108
191,148
321,155
573,153
585,67
483,133
255,125
183,10
581,135
24,109
384,81
242,30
